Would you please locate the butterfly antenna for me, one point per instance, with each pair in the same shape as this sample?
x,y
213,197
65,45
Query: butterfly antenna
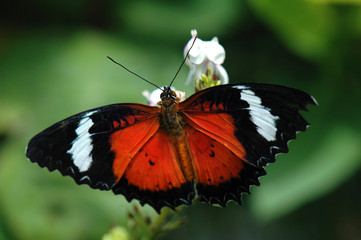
x,y
111,59
184,60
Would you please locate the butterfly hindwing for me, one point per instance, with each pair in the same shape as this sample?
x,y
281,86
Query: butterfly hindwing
x,y
234,130
154,175
221,175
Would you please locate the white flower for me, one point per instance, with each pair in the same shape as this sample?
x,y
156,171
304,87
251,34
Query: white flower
x,y
153,98
203,55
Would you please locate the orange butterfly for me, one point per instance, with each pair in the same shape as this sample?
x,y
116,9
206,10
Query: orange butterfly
x,y
214,144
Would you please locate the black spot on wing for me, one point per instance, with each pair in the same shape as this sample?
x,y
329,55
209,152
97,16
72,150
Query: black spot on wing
x,y
212,154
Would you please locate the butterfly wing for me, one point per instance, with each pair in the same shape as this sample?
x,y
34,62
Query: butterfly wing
x,y
118,147
154,175
80,146
235,130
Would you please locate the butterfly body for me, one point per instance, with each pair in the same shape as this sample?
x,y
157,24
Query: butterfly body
x,y
214,144
174,124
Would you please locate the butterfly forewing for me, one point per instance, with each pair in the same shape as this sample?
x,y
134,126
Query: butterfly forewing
x,y
79,146
153,176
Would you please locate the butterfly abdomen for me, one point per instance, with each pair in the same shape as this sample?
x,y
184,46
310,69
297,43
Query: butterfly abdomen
x,y
184,156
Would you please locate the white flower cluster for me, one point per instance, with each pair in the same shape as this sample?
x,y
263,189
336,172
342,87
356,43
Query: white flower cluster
x,y
205,54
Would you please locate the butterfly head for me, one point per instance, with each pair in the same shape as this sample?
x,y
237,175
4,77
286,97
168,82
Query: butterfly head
x,y
168,97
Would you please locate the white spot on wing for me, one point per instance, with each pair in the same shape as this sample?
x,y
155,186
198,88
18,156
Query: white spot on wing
x,y
261,116
82,146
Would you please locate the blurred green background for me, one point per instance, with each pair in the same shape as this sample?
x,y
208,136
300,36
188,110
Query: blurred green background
x,y
53,64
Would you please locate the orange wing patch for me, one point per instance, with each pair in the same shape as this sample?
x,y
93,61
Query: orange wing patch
x,y
146,165
218,155
155,166
127,142
214,163
217,126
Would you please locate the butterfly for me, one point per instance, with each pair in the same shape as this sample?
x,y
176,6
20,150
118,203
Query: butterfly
x,y
213,145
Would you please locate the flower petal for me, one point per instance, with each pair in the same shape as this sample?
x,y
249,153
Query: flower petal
x,y
215,52
198,52
222,74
